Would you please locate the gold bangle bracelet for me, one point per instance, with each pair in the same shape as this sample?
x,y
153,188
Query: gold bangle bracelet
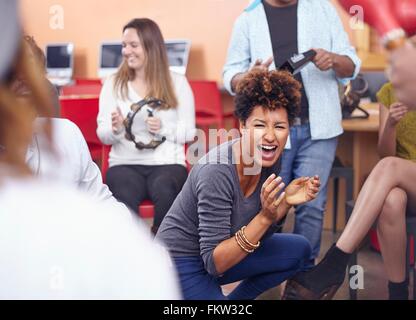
x,y
245,244
242,242
254,246
241,245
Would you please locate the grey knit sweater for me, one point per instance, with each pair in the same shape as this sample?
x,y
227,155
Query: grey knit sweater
x,y
211,207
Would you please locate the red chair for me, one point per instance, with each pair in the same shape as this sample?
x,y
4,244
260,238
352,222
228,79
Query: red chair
x,y
83,112
81,89
230,116
86,81
208,106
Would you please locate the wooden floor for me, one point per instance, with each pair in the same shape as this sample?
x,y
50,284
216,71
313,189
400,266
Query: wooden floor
x,y
375,281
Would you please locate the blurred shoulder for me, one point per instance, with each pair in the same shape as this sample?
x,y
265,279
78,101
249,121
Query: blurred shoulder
x,y
64,124
60,127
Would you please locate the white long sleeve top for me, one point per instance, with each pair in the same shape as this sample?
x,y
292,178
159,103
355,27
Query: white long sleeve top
x,y
71,163
177,125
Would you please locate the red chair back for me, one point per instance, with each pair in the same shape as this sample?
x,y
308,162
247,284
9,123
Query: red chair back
x,y
85,81
104,164
83,112
208,105
81,89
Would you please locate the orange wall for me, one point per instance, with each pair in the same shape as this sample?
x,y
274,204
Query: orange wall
x,y
208,23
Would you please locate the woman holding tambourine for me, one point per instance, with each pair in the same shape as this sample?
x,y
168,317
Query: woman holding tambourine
x,y
147,115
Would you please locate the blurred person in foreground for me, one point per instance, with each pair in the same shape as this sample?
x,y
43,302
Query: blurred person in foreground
x,y
71,163
56,243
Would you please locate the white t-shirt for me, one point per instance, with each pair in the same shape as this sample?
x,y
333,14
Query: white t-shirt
x,y
56,243
177,125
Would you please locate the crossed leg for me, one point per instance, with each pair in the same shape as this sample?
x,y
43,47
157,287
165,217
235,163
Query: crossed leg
x,y
389,189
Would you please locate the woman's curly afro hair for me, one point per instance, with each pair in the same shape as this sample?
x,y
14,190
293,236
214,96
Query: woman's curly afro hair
x,y
271,90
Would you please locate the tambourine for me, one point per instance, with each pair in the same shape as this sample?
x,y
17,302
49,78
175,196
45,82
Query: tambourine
x,y
128,122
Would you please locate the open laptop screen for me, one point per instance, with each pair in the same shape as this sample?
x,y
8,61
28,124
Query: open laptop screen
x,y
59,56
110,58
59,62
111,55
178,54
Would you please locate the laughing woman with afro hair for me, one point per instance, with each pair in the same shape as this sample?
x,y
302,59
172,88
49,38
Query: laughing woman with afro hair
x,y
221,227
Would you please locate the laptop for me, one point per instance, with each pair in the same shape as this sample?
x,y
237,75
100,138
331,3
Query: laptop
x,y
110,58
60,63
178,54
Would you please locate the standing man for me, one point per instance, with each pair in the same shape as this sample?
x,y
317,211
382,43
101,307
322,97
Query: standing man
x,y
265,36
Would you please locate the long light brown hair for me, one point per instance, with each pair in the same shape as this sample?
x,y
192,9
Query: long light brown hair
x,y
158,79
16,115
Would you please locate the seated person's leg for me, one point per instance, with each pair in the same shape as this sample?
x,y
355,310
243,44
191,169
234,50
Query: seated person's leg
x,y
391,231
164,184
388,174
127,185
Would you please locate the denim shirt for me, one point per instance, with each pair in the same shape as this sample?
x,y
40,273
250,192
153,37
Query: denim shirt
x,y
319,26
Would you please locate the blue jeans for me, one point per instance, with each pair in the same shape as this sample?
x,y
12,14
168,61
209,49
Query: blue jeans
x,y
278,258
308,157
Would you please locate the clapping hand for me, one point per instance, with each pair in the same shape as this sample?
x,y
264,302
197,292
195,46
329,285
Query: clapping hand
x,y
116,120
269,201
302,190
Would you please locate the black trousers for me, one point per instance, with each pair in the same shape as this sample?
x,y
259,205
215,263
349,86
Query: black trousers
x,y
131,184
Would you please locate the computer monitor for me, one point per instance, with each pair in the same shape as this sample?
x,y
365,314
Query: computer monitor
x,y
178,54
110,58
60,60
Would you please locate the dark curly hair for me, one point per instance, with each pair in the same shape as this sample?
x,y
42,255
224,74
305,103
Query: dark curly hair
x,y
269,89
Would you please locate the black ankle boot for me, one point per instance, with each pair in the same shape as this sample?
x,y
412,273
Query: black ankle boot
x,y
399,290
322,281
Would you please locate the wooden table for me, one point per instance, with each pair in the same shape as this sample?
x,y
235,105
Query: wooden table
x,y
358,145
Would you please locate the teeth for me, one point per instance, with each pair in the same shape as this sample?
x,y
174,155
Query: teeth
x,y
268,147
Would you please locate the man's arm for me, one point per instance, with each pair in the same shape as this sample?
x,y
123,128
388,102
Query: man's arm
x,y
342,55
343,66
238,55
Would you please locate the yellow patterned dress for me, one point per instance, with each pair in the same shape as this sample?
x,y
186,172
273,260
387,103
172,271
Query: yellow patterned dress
x,y
405,129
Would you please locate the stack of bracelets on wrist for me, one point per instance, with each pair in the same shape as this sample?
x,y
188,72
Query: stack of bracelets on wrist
x,y
244,243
